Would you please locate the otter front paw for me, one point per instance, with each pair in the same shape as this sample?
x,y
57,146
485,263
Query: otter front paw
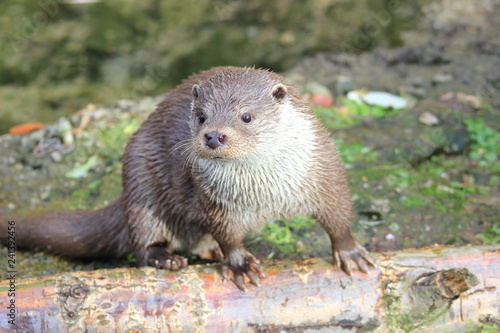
x,y
241,262
343,257
159,258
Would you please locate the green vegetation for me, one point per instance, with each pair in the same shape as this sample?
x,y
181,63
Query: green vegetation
x,y
489,327
355,152
365,110
81,171
283,234
82,198
398,320
492,234
485,146
351,113
429,184
331,119
56,57
120,39
98,169
400,178
113,139
110,143
454,187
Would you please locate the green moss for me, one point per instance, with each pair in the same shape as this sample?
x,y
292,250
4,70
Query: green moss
x,y
362,109
484,328
356,152
356,112
113,139
283,234
334,120
128,274
492,234
414,201
35,264
485,143
399,318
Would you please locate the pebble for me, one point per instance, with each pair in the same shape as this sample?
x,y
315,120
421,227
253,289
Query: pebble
x,y
64,129
56,156
315,88
380,98
344,85
126,105
355,95
428,119
390,237
418,81
37,136
45,194
100,114
417,92
442,78
381,205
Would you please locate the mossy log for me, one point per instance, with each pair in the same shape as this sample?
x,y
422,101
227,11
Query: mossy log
x,y
433,289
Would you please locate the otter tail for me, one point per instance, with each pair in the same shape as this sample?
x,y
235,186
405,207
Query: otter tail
x,y
84,235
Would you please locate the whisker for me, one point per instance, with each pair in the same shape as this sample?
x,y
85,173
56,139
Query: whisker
x,y
189,161
181,144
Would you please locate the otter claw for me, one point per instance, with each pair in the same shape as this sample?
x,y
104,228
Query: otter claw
x,y
362,266
250,268
159,258
357,255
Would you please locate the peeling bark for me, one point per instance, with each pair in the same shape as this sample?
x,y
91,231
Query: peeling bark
x,y
434,289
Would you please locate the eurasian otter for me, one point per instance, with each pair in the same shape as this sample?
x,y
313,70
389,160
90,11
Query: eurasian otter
x,y
226,151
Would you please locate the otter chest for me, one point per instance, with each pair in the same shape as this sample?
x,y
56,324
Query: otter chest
x,y
259,189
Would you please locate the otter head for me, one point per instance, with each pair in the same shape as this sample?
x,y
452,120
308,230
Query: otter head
x,y
235,113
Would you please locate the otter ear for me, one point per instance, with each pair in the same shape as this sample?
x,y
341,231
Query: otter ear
x,y
279,92
196,91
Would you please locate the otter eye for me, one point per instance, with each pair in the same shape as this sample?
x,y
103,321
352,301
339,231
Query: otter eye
x,y
202,118
246,117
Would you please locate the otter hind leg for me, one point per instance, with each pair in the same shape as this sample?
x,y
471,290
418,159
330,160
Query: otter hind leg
x,y
154,240
215,255
207,248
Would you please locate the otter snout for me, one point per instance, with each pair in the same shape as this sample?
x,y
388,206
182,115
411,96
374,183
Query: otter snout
x,y
215,139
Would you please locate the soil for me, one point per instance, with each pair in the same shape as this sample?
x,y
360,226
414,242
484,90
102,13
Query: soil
x,y
445,58
415,187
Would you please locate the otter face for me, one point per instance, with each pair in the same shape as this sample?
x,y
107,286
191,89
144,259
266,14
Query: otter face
x,y
233,117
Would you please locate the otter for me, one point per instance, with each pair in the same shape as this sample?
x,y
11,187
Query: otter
x,y
226,151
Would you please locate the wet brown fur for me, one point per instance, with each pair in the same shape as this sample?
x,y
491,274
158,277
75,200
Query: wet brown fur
x,y
179,194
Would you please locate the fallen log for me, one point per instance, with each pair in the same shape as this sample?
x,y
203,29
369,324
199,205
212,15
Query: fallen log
x,y
434,289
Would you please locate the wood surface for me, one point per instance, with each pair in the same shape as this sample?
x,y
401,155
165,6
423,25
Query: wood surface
x,y
427,290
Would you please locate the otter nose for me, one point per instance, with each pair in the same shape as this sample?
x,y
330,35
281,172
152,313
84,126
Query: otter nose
x,y
215,139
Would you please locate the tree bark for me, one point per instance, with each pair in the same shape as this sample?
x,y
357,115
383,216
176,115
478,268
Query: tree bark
x,y
425,290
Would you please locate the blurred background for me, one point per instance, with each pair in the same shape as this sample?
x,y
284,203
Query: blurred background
x,y
56,56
